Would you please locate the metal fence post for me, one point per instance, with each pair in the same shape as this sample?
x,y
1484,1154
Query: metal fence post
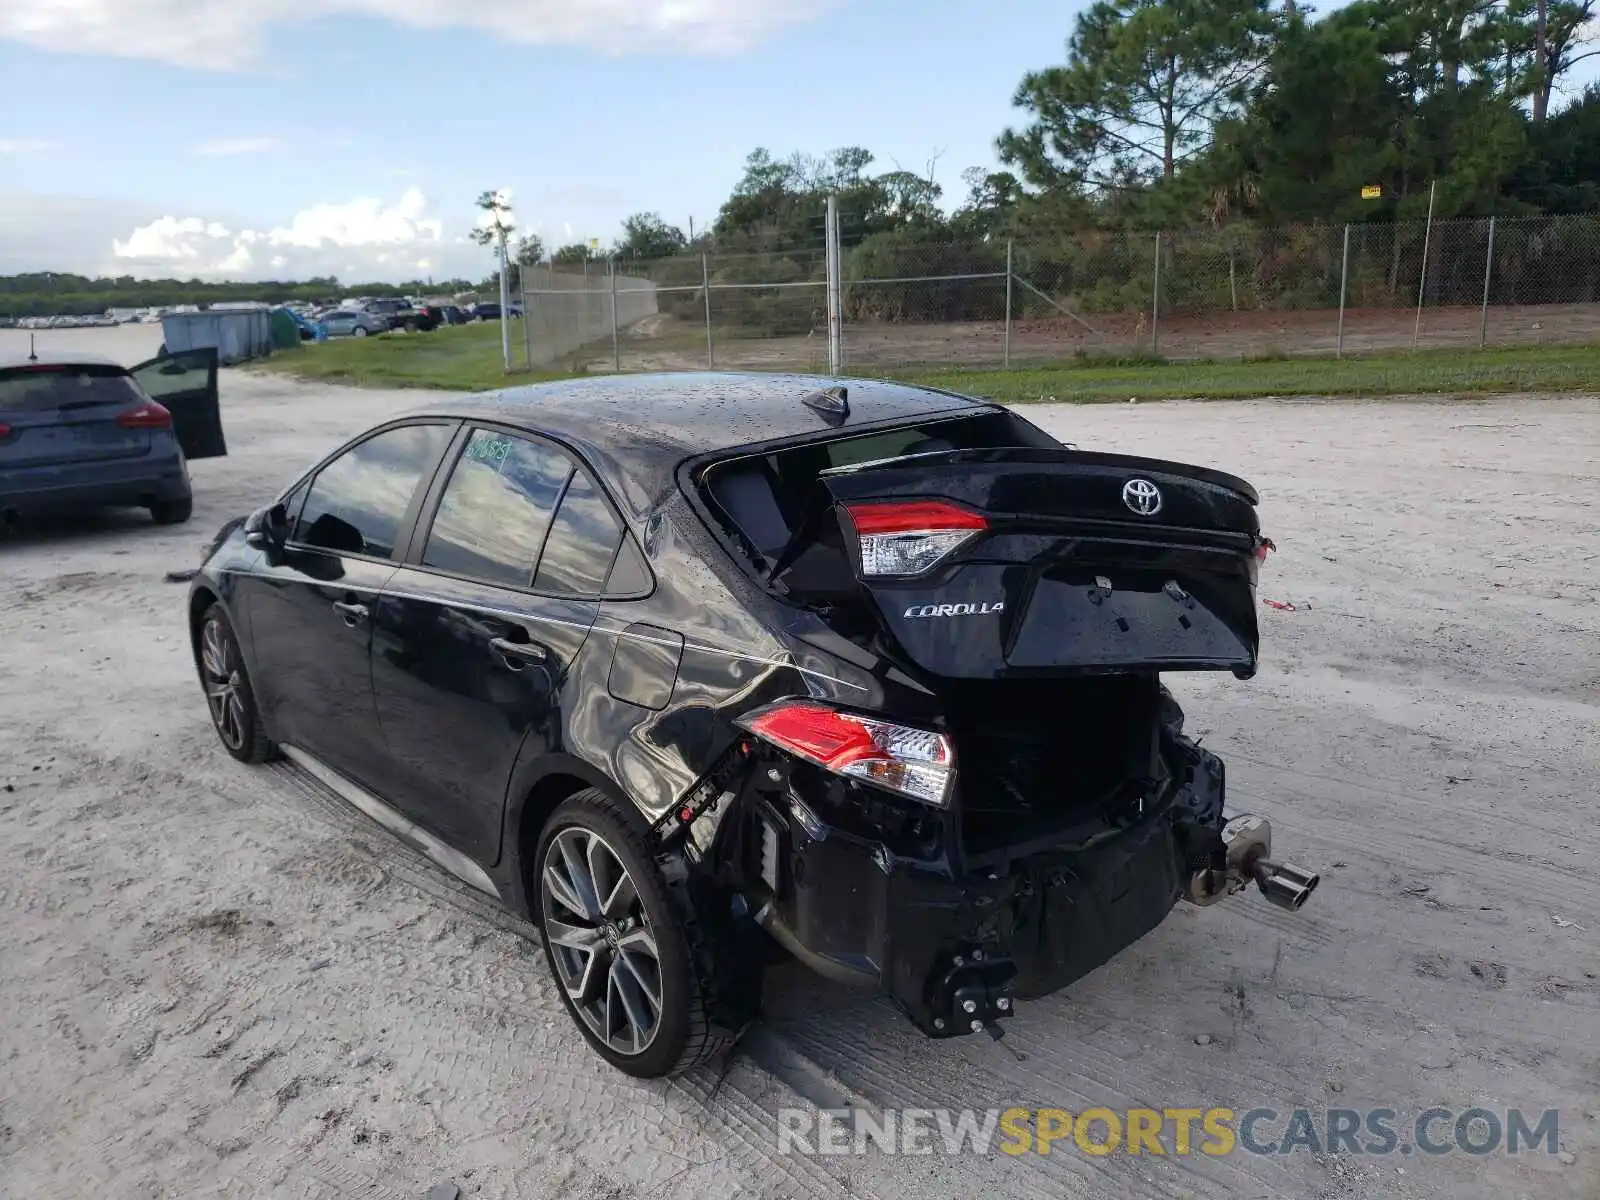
x,y
1006,352
711,349
1344,279
1488,274
1233,283
835,293
527,319
616,345
1422,276
1155,302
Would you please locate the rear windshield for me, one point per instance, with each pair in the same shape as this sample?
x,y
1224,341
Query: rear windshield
x,y
764,499
36,389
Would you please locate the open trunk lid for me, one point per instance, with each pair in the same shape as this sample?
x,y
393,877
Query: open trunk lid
x,y
1043,561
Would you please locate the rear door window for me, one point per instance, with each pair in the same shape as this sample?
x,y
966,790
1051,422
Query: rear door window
x,y
178,374
358,502
496,508
582,543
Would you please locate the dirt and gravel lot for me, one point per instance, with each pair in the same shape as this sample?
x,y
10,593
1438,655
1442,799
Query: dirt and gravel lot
x,y
215,981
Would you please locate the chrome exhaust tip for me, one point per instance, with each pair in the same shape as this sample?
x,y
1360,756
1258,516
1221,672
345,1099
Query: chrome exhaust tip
x,y
1284,884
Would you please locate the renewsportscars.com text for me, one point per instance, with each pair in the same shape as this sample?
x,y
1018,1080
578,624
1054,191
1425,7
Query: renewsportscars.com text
x,y
1169,1131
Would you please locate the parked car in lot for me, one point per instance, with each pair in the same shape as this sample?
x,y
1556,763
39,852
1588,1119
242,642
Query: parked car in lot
x,y
489,311
423,318
81,432
865,672
342,322
453,314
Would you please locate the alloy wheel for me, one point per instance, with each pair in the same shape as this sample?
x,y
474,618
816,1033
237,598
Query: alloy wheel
x,y
224,684
601,940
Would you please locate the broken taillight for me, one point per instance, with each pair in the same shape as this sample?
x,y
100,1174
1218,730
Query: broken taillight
x,y
908,537
918,763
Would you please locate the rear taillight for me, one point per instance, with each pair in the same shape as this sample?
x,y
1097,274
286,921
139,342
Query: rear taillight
x,y
148,415
914,762
909,537
5,430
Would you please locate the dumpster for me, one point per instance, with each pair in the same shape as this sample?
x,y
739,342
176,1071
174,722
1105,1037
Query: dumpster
x,y
237,335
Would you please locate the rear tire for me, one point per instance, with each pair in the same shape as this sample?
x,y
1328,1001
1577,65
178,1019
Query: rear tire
x,y
624,962
230,698
172,512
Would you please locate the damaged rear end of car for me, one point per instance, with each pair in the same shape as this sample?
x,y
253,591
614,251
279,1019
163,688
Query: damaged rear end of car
x,y
1019,803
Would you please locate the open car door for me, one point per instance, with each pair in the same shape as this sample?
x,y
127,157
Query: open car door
x,y
185,384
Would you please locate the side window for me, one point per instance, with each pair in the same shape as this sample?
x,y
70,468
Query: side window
x,y
629,575
583,541
358,501
496,508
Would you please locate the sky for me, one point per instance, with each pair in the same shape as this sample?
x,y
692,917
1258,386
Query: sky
x,y
257,139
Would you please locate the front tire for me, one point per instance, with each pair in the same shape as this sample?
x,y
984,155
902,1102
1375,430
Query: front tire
x,y
360,331
617,946
229,695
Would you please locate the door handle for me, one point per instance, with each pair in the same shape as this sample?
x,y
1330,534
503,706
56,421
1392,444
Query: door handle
x,y
353,614
518,652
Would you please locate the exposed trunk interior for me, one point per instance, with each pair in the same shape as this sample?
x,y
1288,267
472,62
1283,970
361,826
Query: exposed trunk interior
x,y
1032,755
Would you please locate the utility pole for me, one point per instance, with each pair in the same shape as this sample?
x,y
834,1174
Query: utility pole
x,y
505,303
835,289
495,228
1541,40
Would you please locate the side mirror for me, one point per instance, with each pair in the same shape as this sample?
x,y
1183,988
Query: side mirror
x,y
267,529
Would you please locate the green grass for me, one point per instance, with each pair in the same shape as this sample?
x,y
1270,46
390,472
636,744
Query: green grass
x,y
1429,372
458,357
467,358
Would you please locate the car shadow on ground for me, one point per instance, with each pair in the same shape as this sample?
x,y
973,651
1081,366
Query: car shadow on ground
x,y
74,527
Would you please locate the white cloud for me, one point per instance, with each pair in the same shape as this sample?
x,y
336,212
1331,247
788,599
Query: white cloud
x,y
169,237
388,241
238,145
229,34
24,146
364,222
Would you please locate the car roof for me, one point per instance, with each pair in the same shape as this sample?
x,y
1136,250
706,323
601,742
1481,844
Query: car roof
x,y
637,429
11,363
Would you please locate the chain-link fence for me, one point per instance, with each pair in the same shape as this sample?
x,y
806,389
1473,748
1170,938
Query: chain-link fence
x,y
911,298
750,311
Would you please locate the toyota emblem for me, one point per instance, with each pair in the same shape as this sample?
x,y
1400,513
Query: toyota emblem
x,y
1142,496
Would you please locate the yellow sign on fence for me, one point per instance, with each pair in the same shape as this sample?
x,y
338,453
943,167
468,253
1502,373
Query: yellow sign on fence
x,y
1371,192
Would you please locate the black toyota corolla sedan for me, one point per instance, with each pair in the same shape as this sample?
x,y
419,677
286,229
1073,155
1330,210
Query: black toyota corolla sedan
x,y
688,669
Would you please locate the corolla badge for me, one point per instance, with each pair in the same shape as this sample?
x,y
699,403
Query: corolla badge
x,y
955,610
1142,496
